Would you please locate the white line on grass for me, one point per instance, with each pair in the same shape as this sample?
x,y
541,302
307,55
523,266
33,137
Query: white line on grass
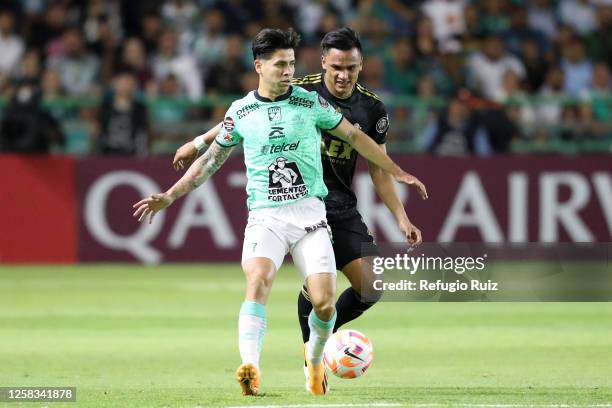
x,y
435,405
431,405
366,404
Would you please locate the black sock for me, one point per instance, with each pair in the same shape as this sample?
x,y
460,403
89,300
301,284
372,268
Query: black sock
x,y
349,307
304,309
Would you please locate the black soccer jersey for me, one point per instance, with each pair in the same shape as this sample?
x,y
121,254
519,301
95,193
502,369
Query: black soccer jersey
x,y
366,112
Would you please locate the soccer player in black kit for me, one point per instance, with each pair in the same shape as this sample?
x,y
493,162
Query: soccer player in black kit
x,y
342,61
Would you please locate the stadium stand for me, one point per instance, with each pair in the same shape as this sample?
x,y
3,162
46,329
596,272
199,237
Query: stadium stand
x,y
513,75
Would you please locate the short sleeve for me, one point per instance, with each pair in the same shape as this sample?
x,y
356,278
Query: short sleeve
x,y
326,117
378,132
229,135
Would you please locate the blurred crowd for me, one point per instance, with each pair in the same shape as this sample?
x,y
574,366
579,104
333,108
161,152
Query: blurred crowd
x,y
458,76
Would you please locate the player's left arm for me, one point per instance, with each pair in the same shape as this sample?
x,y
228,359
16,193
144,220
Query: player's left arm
x,y
385,188
368,148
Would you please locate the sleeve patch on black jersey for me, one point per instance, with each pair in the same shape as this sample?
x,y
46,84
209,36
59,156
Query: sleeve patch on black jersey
x,y
382,125
323,102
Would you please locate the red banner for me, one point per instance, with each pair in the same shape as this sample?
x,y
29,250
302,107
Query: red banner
x,y
500,199
44,203
206,225
38,209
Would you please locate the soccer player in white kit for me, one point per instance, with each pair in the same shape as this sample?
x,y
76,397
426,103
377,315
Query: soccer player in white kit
x,y
279,123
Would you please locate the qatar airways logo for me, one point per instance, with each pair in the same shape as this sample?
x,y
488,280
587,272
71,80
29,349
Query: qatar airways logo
x,y
547,206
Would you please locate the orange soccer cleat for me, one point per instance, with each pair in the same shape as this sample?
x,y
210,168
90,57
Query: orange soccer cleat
x,y
248,377
316,377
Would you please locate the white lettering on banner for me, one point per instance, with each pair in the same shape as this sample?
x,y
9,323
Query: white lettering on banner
x,y
551,210
518,230
603,188
377,213
212,216
471,194
95,216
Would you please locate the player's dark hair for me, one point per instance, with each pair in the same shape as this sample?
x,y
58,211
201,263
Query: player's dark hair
x,y
269,40
343,39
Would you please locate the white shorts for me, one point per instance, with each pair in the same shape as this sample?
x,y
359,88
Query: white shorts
x,y
300,228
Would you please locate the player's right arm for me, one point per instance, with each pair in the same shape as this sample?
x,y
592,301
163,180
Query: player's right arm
x,y
187,153
196,175
368,148
327,118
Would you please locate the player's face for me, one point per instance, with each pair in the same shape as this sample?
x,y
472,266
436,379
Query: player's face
x,y
341,70
276,72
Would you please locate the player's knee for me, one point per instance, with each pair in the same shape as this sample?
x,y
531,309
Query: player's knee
x,y
368,293
324,308
356,285
259,280
371,296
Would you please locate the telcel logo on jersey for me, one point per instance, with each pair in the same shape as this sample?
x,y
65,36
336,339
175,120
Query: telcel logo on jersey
x,y
285,147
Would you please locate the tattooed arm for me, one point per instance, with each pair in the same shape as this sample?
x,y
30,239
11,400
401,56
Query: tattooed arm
x,y
195,176
200,170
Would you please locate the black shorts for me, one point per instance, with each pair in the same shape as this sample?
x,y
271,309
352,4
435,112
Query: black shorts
x,y
349,234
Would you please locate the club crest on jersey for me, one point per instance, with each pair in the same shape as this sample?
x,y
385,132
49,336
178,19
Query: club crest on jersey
x,y
323,102
228,124
274,114
382,125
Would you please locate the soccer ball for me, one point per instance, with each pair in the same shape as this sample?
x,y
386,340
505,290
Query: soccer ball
x,y
348,354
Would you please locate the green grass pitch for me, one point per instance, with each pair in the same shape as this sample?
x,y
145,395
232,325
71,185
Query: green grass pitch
x,y
132,336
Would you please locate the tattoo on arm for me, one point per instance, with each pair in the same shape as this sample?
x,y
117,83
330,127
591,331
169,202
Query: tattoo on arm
x,y
210,162
201,170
